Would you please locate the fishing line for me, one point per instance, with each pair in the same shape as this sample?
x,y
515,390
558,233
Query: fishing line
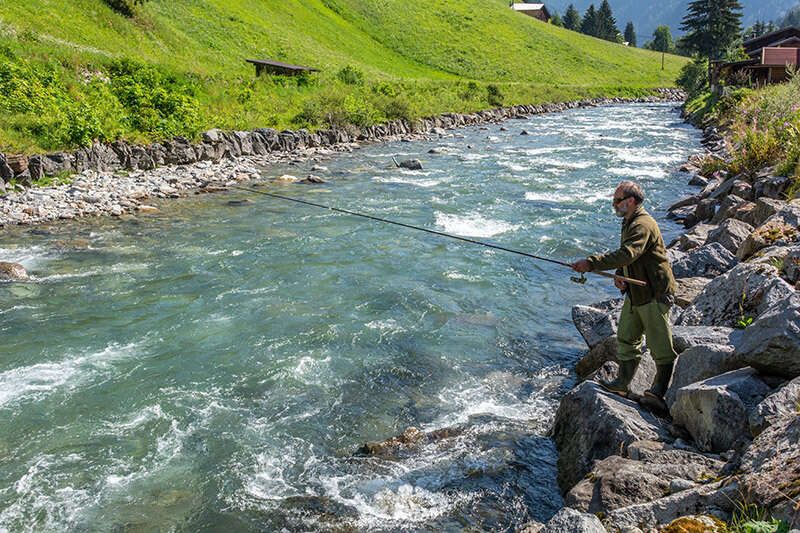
x,y
580,279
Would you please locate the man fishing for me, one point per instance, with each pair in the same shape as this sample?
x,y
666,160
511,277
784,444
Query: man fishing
x,y
643,256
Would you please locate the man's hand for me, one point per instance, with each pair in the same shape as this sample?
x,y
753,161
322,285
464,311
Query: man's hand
x,y
581,266
621,285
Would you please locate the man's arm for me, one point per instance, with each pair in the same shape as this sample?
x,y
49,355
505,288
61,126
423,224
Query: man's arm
x,y
629,251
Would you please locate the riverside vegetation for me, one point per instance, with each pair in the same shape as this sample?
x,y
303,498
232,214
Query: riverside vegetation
x,y
177,68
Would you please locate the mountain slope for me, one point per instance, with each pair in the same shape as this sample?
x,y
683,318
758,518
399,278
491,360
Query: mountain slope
x,y
409,58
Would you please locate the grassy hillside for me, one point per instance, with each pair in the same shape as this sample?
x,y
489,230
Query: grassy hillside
x,y
74,70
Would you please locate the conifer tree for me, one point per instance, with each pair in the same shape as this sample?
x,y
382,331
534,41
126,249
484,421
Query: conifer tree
x,y
606,23
589,22
556,20
630,35
572,19
712,26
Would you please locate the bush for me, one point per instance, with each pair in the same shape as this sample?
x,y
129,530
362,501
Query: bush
x,y
757,149
124,7
350,75
494,96
154,102
693,77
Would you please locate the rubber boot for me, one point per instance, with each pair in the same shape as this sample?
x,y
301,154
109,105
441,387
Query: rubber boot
x,y
654,396
624,377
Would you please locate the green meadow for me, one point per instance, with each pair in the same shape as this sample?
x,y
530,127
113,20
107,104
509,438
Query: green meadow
x,y
72,71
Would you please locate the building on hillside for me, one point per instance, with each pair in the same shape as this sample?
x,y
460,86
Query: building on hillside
x,y
537,11
770,57
276,67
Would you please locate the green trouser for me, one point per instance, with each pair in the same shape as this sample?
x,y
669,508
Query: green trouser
x,y
652,320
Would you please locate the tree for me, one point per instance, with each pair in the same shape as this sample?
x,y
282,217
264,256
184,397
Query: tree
x,y
712,26
572,19
606,23
630,34
662,40
792,18
556,20
589,22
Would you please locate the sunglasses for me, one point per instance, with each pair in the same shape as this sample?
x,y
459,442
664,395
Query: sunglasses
x,y
615,201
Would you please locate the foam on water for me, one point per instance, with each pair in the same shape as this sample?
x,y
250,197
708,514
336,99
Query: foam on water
x,y
36,381
475,225
425,183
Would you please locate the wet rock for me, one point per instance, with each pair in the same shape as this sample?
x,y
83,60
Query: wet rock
x,y
593,424
616,482
312,179
524,132
782,404
770,470
598,321
730,234
772,343
687,289
571,521
746,291
698,363
708,261
12,272
698,181
716,411
288,178
410,164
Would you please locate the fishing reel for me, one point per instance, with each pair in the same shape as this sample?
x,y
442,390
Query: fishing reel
x,y
579,279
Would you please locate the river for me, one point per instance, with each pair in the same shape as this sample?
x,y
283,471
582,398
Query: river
x,y
217,365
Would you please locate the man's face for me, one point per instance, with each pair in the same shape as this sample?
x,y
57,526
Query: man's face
x,y
621,203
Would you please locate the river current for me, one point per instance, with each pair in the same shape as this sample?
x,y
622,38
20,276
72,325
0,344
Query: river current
x,y
217,365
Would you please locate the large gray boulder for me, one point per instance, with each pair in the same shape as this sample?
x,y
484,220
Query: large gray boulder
x,y
597,322
765,208
571,521
708,261
593,424
771,186
780,229
770,471
746,291
731,234
617,482
687,289
772,343
715,499
781,404
694,238
698,363
715,411
725,207
685,337
596,357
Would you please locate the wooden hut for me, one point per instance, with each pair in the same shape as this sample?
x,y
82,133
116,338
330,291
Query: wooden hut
x,y
537,11
276,67
770,58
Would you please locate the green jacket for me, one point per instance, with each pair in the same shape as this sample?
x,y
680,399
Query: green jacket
x,y
643,256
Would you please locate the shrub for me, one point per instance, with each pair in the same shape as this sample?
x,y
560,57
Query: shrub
x,y
693,77
154,102
494,96
350,75
124,7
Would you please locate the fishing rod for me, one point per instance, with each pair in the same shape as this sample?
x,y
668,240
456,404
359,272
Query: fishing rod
x,y
577,279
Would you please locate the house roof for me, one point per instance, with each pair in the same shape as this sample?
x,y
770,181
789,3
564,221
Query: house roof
x,y
752,46
527,7
281,65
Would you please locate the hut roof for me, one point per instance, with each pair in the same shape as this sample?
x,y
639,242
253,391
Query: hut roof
x,y
281,65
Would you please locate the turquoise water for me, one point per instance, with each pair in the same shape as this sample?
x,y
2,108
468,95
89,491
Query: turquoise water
x,y
218,365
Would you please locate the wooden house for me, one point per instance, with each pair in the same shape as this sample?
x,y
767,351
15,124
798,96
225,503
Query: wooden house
x,y
770,57
537,11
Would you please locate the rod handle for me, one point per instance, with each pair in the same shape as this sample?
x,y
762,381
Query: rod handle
x,y
623,278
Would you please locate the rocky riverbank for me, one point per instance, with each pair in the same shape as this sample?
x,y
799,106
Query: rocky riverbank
x,y
119,178
733,436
